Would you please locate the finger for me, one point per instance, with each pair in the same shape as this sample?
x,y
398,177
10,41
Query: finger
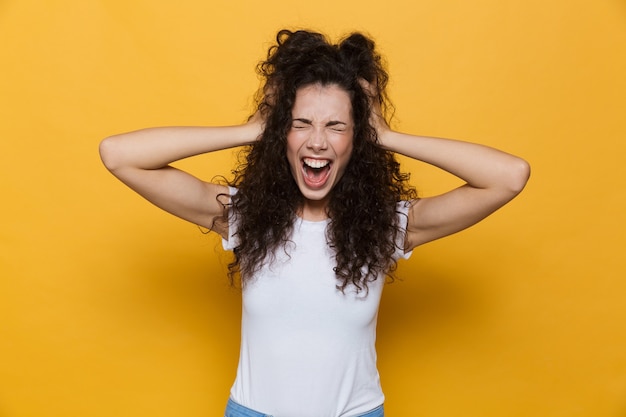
x,y
368,87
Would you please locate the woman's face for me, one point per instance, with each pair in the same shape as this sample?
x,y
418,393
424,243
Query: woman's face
x,y
319,141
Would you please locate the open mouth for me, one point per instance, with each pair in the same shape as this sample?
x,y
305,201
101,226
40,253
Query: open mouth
x,y
316,171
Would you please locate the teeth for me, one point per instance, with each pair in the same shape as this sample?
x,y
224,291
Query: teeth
x,y
316,163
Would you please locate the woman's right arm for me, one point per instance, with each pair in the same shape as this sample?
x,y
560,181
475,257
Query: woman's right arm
x,y
141,160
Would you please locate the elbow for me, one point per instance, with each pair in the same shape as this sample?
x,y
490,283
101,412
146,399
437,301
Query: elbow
x,y
110,153
517,176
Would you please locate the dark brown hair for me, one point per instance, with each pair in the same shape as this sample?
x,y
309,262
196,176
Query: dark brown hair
x,y
363,229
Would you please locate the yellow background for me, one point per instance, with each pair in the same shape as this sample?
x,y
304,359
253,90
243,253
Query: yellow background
x,y
109,307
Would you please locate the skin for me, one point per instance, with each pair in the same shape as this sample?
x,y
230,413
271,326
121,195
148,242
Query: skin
x,y
141,160
493,178
321,133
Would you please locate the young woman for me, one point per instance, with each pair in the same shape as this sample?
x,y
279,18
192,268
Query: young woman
x,y
316,217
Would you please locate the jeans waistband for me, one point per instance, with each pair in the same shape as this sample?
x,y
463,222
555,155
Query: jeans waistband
x,y
234,409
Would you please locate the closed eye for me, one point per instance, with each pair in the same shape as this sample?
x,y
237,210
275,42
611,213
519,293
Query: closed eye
x,y
337,126
300,124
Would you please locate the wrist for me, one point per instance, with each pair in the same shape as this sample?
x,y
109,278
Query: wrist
x,y
252,131
386,139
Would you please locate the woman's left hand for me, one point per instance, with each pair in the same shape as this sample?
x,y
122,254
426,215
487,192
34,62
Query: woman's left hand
x,y
377,119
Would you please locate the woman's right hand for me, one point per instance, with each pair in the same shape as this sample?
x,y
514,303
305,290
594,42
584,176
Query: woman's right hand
x,y
141,160
256,123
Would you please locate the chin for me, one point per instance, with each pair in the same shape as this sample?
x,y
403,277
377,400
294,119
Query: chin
x,y
317,195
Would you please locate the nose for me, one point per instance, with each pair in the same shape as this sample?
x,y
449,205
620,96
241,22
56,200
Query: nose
x,y
317,140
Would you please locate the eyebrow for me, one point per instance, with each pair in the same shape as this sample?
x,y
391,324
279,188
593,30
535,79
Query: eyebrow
x,y
310,122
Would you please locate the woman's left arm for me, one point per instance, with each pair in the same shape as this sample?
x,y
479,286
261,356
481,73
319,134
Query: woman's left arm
x,y
492,178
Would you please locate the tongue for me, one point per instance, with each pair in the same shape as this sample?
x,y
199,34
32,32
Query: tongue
x,y
316,176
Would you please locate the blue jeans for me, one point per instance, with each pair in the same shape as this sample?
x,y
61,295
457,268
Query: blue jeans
x,y
237,410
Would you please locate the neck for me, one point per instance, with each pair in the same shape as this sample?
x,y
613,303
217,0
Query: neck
x,y
314,210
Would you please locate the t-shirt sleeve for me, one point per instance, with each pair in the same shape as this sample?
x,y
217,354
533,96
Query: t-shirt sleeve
x,y
402,210
232,241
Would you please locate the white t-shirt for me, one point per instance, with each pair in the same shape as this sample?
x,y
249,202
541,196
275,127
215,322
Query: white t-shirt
x,y
307,349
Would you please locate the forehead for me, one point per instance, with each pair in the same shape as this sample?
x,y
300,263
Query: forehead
x,y
318,101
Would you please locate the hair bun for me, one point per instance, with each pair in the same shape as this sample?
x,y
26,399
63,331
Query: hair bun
x,y
358,52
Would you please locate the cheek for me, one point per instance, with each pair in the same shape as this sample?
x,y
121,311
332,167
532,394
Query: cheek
x,y
291,146
294,142
343,149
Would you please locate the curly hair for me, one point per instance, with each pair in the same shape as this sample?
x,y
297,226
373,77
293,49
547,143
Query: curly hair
x,y
363,228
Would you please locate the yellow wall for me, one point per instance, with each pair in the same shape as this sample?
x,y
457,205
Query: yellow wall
x,y
109,307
